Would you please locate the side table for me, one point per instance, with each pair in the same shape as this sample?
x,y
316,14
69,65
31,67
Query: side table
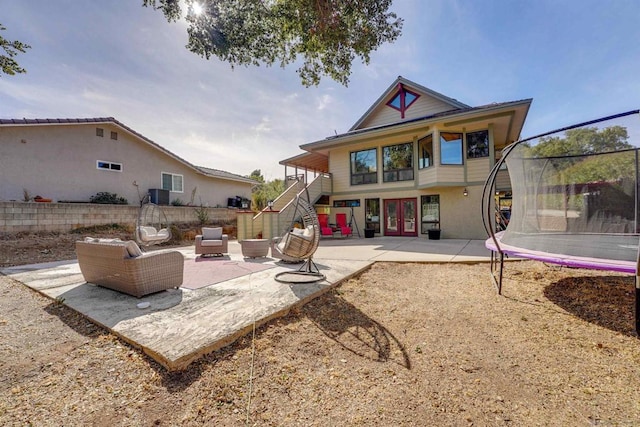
x,y
254,248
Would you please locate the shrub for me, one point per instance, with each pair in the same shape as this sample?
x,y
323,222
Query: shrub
x,y
107,198
177,202
202,214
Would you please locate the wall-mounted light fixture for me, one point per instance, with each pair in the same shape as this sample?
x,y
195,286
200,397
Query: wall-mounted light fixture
x,y
465,193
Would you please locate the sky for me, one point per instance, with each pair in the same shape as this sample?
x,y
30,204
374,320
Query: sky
x,y
578,59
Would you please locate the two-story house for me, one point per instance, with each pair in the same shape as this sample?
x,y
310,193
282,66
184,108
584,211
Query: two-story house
x,y
416,160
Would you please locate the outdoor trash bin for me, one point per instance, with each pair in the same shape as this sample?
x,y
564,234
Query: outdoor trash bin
x,y
369,233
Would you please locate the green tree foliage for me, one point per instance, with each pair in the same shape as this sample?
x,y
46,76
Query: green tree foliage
x,y
398,156
8,64
265,191
577,151
257,176
587,140
587,156
327,34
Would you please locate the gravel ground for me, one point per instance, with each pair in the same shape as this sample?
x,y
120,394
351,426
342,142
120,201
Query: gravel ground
x,y
400,345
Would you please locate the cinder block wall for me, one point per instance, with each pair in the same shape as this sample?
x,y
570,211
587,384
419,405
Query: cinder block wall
x,y
18,217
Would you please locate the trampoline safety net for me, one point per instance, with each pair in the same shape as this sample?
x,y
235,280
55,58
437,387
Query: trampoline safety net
x,y
574,191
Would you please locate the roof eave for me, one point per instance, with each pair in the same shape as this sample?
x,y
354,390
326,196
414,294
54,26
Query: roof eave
x,y
408,125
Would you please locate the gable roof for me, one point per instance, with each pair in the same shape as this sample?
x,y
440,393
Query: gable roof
x,y
455,104
215,173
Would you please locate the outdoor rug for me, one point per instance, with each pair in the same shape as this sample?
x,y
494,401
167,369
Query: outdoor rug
x,y
203,272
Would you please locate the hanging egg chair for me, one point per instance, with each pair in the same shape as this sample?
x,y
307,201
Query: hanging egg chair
x,y
152,226
301,242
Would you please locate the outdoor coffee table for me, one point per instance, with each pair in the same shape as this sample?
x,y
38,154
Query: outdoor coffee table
x,y
254,248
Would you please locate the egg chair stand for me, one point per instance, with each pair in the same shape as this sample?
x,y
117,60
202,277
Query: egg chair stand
x,y
301,243
152,226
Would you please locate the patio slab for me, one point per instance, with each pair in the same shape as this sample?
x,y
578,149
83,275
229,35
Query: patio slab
x,y
181,325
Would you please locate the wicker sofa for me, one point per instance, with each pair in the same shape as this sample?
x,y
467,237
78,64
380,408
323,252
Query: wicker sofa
x,y
122,267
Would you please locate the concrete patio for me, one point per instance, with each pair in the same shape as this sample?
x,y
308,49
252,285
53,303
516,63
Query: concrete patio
x,y
181,325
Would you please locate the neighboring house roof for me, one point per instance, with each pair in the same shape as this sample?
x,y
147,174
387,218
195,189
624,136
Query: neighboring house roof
x,y
225,175
215,173
455,104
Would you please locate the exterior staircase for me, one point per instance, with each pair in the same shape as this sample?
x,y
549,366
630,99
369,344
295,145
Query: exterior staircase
x,y
267,223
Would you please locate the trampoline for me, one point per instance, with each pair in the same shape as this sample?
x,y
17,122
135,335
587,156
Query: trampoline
x,y
574,199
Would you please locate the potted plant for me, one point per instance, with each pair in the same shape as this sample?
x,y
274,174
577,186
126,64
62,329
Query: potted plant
x,y
434,232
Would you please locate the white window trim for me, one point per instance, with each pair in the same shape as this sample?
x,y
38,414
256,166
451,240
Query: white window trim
x,y
172,175
111,164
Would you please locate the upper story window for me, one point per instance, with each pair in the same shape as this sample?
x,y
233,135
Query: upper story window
x,y
364,167
114,135
172,182
425,152
477,144
403,99
450,148
99,132
397,162
109,166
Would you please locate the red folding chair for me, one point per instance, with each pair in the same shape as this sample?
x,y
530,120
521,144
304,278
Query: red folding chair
x,y
325,228
341,223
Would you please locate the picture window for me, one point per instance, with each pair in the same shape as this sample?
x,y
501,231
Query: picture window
x,y
450,148
477,144
364,167
398,162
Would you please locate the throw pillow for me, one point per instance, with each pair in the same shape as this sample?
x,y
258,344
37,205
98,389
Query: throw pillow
x,y
308,232
133,249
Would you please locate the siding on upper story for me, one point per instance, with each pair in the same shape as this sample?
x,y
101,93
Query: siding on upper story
x,y
424,106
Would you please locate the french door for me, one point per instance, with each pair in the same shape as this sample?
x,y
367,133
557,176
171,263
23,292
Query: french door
x,y
400,217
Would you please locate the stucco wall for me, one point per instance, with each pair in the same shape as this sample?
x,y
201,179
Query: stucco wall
x,y
60,162
31,216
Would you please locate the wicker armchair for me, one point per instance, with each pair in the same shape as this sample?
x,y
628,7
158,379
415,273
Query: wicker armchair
x,y
111,265
212,242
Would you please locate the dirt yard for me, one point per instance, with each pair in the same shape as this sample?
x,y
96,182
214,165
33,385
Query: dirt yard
x,y
401,345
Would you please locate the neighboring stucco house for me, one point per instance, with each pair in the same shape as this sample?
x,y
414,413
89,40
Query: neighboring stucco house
x,y
416,160
74,159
